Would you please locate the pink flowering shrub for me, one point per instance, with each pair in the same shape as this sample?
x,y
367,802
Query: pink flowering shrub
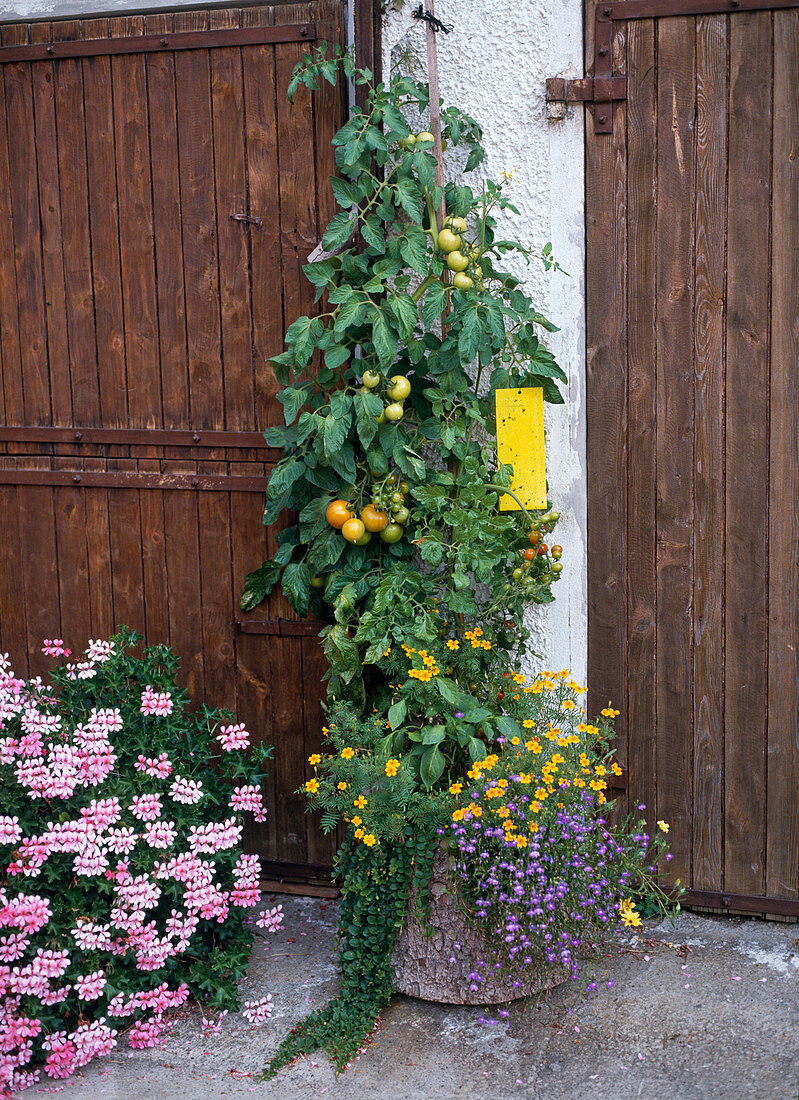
x,y
123,887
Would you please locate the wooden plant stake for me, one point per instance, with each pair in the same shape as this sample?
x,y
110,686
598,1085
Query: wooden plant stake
x,y
435,104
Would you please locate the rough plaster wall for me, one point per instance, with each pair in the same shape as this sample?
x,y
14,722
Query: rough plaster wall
x,y
494,64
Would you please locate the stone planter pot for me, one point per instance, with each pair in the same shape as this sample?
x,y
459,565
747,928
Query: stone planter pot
x,y
422,962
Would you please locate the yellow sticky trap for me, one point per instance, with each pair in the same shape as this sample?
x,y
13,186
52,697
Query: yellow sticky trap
x,y
520,444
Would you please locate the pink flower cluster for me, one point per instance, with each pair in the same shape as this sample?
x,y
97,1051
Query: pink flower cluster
x,y
271,919
258,1012
156,702
60,832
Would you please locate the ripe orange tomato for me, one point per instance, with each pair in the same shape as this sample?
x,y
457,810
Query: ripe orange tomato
x,y
372,519
337,514
529,554
542,549
535,537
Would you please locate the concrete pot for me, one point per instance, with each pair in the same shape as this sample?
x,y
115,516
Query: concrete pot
x,y
422,961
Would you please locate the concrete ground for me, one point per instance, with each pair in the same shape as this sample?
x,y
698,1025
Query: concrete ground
x,y
704,1008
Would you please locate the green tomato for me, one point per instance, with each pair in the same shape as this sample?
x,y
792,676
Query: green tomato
x,y
456,261
382,418
408,142
317,582
365,537
401,515
448,241
396,498
461,281
392,533
394,411
557,568
517,574
399,387
425,136
371,379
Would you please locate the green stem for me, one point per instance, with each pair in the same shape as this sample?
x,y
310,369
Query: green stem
x,y
504,489
431,214
422,287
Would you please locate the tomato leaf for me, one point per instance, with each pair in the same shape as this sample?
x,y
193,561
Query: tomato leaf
x,y
368,407
384,339
258,584
339,230
296,583
413,249
312,518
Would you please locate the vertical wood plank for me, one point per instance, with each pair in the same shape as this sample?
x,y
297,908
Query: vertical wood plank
x,y
10,353
747,340
321,847
641,357
73,566
104,223
184,579
153,554
124,524
72,174
218,598
40,573
288,727
674,391
24,194
98,550
168,229
255,676
198,211
708,579
52,236
230,178
258,64
606,412
782,823
132,144
13,626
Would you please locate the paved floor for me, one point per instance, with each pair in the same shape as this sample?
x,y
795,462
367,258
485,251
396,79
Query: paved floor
x,y
707,1008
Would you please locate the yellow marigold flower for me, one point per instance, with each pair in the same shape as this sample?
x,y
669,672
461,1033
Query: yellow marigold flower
x,y
312,786
348,753
563,674
663,826
358,834
597,785
357,821
592,729
600,769
540,794
387,651
315,759
528,723
578,782
568,704
456,788
614,767
515,741
370,840
503,811
533,826
534,746
525,778
342,786
518,678
535,807
452,644
609,712
360,802
392,767
478,630
325,729
458,815
521,841
476,810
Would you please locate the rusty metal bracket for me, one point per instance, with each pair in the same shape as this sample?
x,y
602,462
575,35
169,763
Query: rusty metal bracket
x,y
248,218
602,88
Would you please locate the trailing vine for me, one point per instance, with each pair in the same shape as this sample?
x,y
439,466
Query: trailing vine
x,y
376,884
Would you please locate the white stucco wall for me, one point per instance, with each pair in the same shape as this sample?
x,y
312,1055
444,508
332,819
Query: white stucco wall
x,y
494,64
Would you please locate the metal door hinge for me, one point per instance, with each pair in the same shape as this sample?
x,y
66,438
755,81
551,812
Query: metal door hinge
x,y
602,88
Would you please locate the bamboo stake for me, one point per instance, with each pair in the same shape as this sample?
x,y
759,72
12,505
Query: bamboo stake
x,y
435,105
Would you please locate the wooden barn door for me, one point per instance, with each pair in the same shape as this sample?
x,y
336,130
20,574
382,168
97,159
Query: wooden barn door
x,y
158,197
693,382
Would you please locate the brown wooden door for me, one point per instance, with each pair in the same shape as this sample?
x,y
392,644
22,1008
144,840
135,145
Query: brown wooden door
x,y
158,197
693,348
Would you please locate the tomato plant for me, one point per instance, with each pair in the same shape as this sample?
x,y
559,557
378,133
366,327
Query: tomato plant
x,y
389,462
